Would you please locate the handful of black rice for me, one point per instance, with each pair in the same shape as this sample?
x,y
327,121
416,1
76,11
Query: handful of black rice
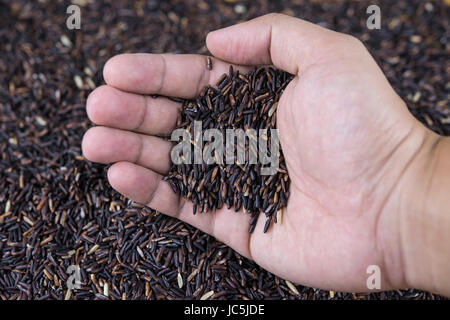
x,y
239,102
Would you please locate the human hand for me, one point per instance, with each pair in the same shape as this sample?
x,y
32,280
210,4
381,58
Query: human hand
x,y
348,140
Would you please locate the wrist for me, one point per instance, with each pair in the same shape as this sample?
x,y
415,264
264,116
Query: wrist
x,y
424,223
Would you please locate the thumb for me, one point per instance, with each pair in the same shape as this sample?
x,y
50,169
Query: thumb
x,y
286,42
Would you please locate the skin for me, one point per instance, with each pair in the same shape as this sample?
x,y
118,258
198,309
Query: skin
x,y
365,174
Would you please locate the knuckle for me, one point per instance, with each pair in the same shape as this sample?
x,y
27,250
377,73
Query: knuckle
x,y
274,16
353,41
271,15
343,44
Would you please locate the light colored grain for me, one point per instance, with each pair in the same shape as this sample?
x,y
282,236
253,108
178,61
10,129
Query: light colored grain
x,y
207,295
273,108
292,287
280,216
93,249
180,280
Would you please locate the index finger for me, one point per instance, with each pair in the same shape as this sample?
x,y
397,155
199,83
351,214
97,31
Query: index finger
x,y
174,75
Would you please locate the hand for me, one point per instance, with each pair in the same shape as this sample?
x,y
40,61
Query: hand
x,y
348,139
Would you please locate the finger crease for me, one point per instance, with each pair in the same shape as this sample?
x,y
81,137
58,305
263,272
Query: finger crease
x,y
249,246
270,46
152,195
140,148
163,74
204,78
143,113
181,203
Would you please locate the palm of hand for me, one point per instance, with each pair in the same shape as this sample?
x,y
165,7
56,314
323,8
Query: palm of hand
x,y
329,132
330,119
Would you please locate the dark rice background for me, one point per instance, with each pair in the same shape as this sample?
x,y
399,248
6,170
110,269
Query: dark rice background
x,y
57,209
